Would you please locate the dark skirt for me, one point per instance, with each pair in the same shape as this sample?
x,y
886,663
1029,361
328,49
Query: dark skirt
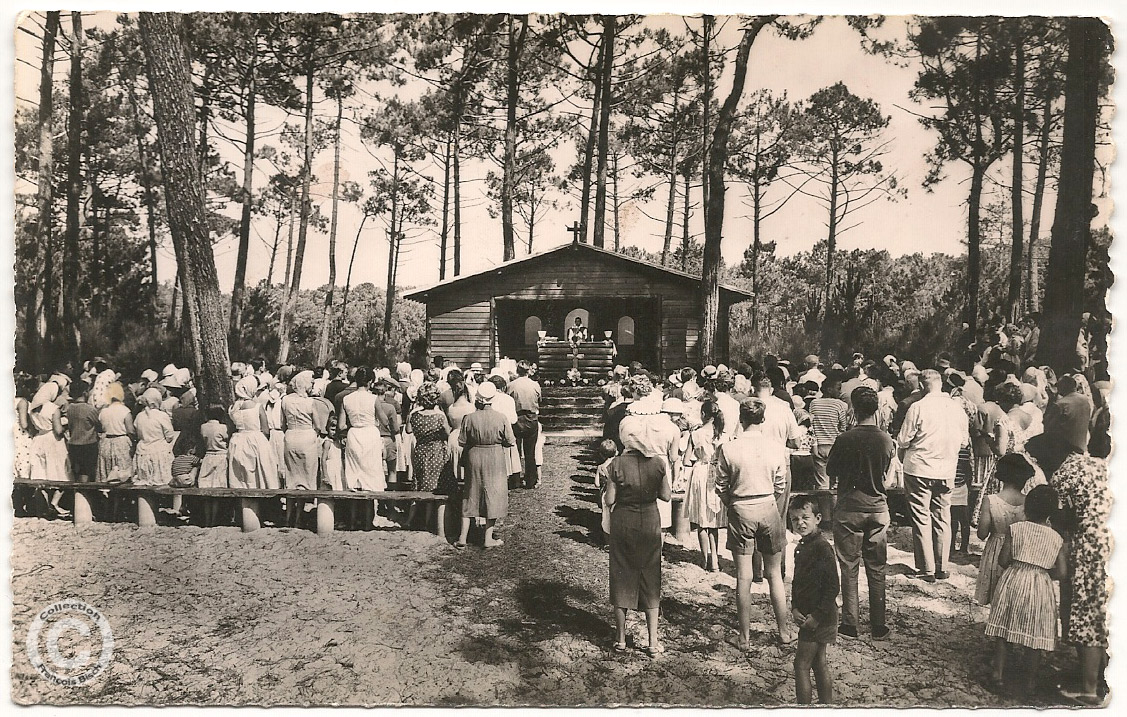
x,y
487,482
635,556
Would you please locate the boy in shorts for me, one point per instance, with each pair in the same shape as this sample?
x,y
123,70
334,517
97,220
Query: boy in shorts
x,y
813,601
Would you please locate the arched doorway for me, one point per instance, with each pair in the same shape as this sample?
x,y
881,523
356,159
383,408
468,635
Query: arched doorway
x,y
532,328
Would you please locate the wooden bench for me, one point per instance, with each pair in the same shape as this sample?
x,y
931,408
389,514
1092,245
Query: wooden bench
x,y
249,499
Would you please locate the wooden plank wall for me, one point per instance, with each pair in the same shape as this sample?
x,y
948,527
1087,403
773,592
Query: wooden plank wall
x,y
459,322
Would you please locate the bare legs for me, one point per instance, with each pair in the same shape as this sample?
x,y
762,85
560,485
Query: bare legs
x,y
772,563
812,656
708,539
651,627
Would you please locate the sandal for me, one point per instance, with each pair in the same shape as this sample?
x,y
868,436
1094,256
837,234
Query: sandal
x,y
459,544
1084,698
787,638
495,543
620,646
655,650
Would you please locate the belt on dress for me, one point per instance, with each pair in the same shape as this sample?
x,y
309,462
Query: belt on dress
x,y
117,435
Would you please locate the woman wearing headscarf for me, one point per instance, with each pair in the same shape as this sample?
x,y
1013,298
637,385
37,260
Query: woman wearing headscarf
x,y
652,434
1081,482
636,481
49,457
115,449
251,461
301,446
484,436
152,463
331,469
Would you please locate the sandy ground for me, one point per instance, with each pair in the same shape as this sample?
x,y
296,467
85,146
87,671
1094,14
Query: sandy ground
x,y
284,616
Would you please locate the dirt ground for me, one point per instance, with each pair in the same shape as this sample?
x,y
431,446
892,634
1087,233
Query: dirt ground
x,y
284,616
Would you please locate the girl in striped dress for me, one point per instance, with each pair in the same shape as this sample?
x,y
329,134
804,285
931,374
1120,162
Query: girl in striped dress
x,y
1024,607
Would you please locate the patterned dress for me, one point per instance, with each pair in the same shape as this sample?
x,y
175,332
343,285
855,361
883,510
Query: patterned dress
x,y
431,454
152,463
1024,608
23,446
1081,482
1015,443
1002,515
703,506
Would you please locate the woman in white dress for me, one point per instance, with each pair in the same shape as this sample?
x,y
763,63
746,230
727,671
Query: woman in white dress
x,y
49,457
703,507
364,467
251,461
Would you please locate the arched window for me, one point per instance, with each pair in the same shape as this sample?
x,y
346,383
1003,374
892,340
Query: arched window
x,y
531,330
625,334
570,320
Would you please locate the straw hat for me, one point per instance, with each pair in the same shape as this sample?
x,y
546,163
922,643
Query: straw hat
x,y
486,392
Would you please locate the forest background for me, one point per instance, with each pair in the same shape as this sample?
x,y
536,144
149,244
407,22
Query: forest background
x,y
414,148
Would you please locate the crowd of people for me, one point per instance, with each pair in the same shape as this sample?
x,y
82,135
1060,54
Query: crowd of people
x,y
990,442
469,435
987,441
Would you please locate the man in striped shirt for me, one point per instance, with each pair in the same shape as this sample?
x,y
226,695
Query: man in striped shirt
x,y
830,420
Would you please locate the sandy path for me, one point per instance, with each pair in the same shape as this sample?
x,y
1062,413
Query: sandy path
x,y
393,617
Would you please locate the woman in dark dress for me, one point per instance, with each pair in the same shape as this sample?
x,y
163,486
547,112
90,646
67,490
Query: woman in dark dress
x,y
636,483
484,436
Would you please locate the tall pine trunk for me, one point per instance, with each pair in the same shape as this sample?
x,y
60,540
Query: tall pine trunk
x,y
327,313
274,251
756,244
1013,297
444,233
303,223
714,216
606,74
687,178
616,203
348,277
238,291
41,306
458,198
171,87
147,193
1088,43
512,86
974,246
71,335
1032,276
589,146
672,199
709,22
831,244
393,240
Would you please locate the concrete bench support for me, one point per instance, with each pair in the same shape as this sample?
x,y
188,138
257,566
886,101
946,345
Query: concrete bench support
x,y
681,529
146,510
326,516
248,509
82,513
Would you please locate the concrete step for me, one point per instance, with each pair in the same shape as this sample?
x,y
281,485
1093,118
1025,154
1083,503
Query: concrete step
x,y
549,403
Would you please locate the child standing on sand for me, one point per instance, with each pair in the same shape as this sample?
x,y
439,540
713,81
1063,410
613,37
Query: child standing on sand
x,y
1024,607
999,511
606,451
813,601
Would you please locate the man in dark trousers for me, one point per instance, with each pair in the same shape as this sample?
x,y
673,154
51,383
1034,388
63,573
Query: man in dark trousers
x,y
526,394
859,460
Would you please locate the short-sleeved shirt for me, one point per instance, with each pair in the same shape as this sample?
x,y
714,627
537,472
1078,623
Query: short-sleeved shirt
x,y
526,393
859,461
637,479
779,423
82,419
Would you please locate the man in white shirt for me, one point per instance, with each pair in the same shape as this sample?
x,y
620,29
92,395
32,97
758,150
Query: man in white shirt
x,y
812,372
934,429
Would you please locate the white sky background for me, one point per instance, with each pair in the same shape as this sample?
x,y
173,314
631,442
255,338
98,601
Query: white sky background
x,y
924,221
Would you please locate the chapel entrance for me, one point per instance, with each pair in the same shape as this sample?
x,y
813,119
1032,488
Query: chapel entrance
x,y
634,323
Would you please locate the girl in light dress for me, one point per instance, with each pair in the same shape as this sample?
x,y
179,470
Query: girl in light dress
x,y
251,461
364,465
152,462
703,507
49,457
999,511
23,448
214,434
1024,607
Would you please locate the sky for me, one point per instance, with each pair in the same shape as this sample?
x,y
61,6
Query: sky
x,y
924,221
